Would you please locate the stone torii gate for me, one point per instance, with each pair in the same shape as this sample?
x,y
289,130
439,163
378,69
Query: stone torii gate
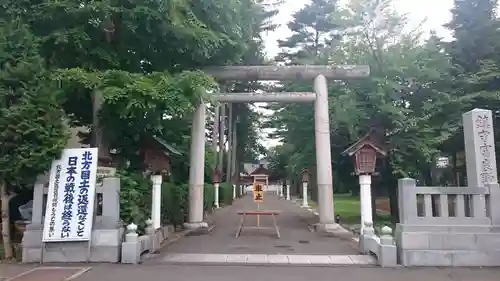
x,y
319,74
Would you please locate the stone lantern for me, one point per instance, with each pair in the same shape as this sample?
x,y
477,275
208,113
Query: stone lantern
x,y
365,152
216,181
157,154
365,159
305,181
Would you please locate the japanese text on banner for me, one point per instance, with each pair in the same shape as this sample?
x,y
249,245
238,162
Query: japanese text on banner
x,y
70,201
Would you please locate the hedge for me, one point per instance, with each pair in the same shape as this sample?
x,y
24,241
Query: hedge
x,y
135,200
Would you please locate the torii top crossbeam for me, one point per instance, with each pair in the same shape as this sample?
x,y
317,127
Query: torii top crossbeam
x,y
283,73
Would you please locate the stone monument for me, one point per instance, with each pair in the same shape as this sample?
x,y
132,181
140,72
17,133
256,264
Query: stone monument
x,y
106,235
459,226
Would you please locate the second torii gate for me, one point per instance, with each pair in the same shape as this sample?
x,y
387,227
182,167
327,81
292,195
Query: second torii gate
x,y
319,74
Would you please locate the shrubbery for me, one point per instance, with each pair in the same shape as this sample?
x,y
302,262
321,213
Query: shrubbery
x,y
226,193
208,197
135,199
175,203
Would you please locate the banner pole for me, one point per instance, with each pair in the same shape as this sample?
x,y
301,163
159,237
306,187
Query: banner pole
x,y
258,216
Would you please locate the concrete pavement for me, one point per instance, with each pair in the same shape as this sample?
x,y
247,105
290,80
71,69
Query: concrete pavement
x,y
252,273
116,272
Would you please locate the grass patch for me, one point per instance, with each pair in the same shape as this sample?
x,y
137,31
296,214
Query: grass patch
x,y
349,209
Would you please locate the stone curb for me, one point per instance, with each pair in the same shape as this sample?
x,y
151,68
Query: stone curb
x,y
319,265
270,260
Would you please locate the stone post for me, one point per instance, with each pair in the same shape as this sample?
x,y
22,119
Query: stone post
x,y
494,204
156,201
215,136
197,169
150,232
479,148
222,127
111,203
234,191
216,194
37,211
323,155
407,200
234,147
32,236
131,248
481,162
367,242
229,143
288,192
387,252
365,182
305,203
215,132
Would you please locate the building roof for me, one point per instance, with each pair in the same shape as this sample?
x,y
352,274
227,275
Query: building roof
x,y
170,149
261,170
367,139
253,168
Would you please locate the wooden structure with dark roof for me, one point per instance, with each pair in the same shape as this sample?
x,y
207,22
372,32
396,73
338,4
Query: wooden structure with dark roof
x,y
367,140
260,173
157,153
365,152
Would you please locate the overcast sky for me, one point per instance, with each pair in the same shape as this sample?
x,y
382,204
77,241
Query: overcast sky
x,y
435,13
432,13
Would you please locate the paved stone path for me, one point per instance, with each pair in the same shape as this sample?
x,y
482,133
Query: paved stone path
x,y
294,222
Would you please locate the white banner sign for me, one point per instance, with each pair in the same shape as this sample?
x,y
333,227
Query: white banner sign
x,y
70,201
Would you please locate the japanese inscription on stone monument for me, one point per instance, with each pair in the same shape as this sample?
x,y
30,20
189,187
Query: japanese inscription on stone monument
x,y
484,131
70,200
479,148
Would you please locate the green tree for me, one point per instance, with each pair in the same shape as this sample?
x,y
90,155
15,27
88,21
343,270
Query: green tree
x,y
313,29
474,26
474,51
142,56
32,133
246,119
401,100
278,157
